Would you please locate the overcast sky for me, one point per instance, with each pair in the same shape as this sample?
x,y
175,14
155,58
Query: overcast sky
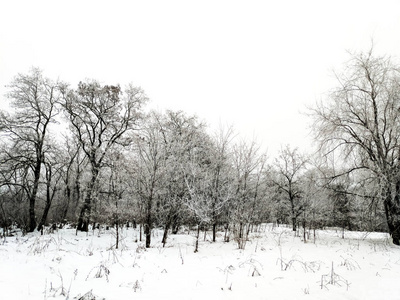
x,y
255,64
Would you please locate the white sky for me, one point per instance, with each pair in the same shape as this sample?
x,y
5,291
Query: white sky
x,y
252,63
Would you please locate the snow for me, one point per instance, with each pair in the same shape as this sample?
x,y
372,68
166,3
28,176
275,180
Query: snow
x,y
274,265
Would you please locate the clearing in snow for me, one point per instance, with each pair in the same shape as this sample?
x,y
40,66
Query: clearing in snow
x,y
274,265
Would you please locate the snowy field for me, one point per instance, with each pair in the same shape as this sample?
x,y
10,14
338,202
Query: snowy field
x,y
274,265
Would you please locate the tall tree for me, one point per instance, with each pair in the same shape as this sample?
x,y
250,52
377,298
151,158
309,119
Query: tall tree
x,y
100,116
113,205
72,169
221,174
199,200
290,165
361,120
26,131
52,166
183,137
317,209
247,162
150,169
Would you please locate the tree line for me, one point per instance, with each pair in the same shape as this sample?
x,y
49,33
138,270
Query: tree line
x,y
93,154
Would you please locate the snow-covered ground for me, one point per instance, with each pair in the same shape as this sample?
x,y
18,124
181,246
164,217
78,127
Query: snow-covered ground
x,y
274,265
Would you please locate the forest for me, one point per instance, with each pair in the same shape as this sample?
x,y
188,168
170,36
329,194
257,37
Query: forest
x,y
93,155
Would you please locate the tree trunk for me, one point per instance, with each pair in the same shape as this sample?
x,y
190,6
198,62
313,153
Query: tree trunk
x,y
117,235
314,234
83,220
77,192
147,232
147,225
164,239
392,212
84,216
32,219
175,223
49,197
226,237
66,206
214,229
196,248
44,216
294,221
392,217
396,235
32,198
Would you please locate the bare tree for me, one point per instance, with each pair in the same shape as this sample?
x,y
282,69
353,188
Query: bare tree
x,y
183,138
53,166
222,175
34,99
362,122
113,204
100,116
74,163
290,165
150,169
199,200
317,210
247,163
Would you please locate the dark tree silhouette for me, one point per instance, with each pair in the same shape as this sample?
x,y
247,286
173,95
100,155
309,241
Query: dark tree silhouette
x,y
362,122
100,116
26,131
